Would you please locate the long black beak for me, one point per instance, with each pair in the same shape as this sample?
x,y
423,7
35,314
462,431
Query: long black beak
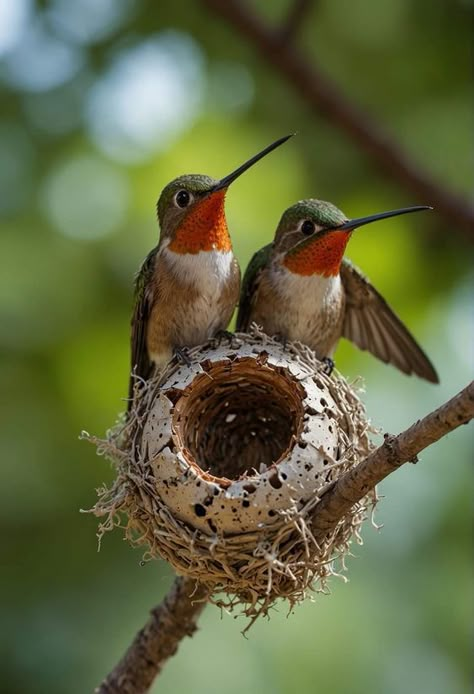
x,y
227,180
360,221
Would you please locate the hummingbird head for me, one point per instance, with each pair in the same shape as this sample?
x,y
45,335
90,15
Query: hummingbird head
x,y
312,236
191,214
191,209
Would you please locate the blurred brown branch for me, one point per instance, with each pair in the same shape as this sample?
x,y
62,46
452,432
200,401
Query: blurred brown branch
x,y
296,15
176,617
327,100
159,639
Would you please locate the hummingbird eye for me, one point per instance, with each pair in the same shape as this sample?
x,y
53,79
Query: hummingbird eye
x,y
307,227
182,198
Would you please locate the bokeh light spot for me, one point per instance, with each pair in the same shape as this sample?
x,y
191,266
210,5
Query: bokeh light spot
x,y
13,17
87,21
86,198
41,61
149,96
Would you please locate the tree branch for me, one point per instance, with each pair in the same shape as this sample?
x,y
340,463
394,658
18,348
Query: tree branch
x,y
326,99
176,617
394,452
159,639
296,16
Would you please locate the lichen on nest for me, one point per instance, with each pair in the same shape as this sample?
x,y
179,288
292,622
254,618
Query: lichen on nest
x,y
221,465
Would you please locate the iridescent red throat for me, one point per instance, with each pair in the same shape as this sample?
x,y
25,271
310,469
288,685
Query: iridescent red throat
x,y
320,254
204,228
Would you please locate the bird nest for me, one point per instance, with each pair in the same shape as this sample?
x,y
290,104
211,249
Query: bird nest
x,y
222,463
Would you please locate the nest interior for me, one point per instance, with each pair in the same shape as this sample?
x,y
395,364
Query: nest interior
x,y
221,466
234,420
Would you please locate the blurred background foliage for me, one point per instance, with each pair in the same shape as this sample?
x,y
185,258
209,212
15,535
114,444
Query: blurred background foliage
x,y
103,102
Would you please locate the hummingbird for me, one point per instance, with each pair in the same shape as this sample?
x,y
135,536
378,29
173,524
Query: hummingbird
x,y
188,285
300,287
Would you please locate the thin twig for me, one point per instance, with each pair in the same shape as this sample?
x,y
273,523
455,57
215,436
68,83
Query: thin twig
x,y
394,452
159,639
296,15
327,100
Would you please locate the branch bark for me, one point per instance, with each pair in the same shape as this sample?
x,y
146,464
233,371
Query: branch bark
x,y
296,15
159,639
394,452
176,617
325,99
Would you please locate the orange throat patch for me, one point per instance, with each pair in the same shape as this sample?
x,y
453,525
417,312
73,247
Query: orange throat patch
x,y
321,255
204,228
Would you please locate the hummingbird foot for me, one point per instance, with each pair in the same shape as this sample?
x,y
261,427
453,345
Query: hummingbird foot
x,y
224,335
329,365
181,353
234,342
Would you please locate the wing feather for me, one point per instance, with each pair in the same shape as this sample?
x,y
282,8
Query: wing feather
x,y
371,324
250,284
140,363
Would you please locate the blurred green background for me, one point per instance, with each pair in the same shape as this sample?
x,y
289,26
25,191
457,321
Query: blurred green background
x,y
103,102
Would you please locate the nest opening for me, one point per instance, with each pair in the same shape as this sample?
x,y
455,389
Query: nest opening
x,y
235,421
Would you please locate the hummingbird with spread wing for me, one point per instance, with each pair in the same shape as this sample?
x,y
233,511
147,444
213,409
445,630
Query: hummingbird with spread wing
x,y
301,288
188,285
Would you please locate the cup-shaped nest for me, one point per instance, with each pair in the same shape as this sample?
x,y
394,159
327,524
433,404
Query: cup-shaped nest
x,y
222,463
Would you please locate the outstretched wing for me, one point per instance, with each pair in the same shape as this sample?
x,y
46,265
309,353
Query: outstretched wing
x,y
140,363
371,324
250,286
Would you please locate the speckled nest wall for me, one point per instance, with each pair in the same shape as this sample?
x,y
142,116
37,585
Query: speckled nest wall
x,y
222,463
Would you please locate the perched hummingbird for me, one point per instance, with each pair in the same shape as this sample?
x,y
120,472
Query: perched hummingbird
x,y
300,288
188,285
